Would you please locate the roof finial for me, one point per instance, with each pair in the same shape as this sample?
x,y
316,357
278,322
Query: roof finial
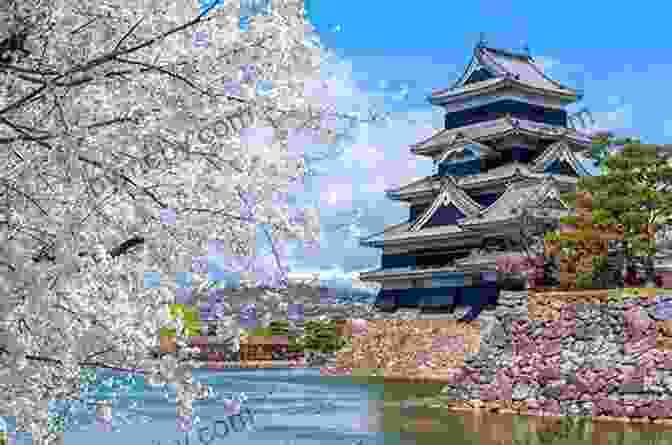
x,y
526,48
481,40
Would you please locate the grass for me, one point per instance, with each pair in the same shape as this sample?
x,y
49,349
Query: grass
x,y
620,294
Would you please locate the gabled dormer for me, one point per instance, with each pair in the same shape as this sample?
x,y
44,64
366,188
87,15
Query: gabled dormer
x,y
464,157
416,211
478,75
538,196
450,205
560,167
559,159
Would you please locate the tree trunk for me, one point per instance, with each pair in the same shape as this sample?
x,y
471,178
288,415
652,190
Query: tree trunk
x,y
616,268
650,272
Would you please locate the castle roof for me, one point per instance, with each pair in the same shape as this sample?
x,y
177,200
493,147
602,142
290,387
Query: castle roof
x,y
492,68
539,191
425,185
560,151
400,232
450,194
465,147
506,172
483,131
517,196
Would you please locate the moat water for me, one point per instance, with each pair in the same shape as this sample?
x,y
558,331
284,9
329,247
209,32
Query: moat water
x,y
300,407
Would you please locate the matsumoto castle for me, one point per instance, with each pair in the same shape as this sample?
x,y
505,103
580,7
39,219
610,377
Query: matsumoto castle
x,y
506,145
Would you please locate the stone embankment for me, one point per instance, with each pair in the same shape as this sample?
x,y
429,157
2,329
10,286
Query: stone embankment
x,y
589,353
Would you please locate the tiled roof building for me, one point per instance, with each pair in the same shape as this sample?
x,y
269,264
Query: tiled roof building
x,y
506,146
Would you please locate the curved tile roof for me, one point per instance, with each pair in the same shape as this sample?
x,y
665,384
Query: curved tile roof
x,y
431,184
558,150
450,193
459,148
390,231
521,67
397,235
425,184
488,129
507,171
504,66
512,200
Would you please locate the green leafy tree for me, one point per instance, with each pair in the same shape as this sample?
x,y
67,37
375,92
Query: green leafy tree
x,y
635,189
321,336
279,327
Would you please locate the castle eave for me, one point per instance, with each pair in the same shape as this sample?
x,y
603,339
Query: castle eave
x,y
446,232
410,273
492,85
498,128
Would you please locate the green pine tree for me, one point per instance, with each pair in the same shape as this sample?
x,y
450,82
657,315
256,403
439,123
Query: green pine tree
x,y
634,189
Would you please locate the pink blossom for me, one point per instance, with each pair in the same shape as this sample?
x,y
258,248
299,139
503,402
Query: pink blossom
x,y
168,216
231,407
257,136
184,423
104,425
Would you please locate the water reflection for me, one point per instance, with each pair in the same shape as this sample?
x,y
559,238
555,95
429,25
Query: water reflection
x,y
437,425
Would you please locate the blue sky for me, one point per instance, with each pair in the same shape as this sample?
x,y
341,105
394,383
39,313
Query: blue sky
x,y
395,55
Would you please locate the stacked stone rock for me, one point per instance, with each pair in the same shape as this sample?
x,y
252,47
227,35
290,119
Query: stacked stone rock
x,y
413,350
596,354
593,356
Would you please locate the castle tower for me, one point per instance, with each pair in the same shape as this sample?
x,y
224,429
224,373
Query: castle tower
x,y
506,146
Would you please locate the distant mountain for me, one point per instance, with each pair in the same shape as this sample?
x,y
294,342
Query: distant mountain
x,y
345,291
354,289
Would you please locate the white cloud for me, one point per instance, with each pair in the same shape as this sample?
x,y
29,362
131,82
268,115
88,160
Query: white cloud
x,y
617,116
338,192
377,159
365,154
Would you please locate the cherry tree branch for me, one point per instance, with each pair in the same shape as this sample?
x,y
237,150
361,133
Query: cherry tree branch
x,y
125,36
149,67
119,250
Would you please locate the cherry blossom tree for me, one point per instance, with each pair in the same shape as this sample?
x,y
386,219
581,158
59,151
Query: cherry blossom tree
x,y
104,178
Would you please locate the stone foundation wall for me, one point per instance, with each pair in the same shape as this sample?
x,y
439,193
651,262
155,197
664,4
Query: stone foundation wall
x,y
410,349
590,353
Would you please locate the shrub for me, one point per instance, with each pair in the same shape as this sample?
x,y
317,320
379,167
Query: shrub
x,y
584,280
